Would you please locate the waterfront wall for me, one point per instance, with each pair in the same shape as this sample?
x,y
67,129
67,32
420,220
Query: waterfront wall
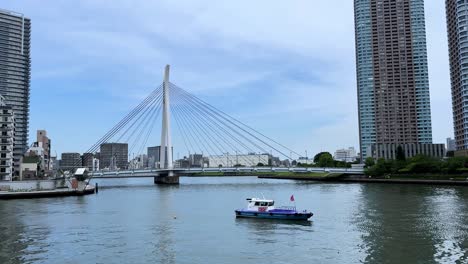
x,y
28,185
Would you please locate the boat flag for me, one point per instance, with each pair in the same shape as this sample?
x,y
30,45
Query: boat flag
x,y
292,198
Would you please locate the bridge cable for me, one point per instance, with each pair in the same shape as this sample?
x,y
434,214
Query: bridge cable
x,y
203,121
224,116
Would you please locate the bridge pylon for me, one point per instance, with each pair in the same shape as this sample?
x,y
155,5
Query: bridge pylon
x,y
167,175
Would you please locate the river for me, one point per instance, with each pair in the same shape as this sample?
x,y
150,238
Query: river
x,y
134,221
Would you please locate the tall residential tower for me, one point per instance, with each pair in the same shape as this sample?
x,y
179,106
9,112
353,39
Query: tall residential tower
x,y
392,73
457,28
15,67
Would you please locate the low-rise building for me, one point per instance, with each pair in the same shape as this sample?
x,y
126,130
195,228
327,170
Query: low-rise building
x,y
304,160
195,160
246,160
7,133
30,168
388,151
347,155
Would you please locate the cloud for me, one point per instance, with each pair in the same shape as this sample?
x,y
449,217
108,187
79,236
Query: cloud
x,y
286,67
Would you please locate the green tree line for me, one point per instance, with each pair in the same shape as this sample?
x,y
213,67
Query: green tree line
x,y
418,164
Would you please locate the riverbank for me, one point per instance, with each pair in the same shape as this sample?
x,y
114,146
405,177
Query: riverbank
x,y
311,176
459,180
271,175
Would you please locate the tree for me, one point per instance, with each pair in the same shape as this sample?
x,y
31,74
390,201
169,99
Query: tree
x,y
369,162
400,154
326,160
381,168
318,155
260,164
450,153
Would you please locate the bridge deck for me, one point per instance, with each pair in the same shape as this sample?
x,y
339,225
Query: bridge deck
x,y
155,172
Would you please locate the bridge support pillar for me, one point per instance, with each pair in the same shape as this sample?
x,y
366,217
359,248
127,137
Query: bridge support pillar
x,y
169,177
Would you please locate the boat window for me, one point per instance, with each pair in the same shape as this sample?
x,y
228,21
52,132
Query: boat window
x,y
271,203
264,204
257,203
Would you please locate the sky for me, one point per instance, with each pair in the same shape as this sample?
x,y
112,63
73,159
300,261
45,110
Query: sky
x,y
286,68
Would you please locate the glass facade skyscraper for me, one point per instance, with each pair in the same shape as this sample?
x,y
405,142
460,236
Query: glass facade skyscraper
x,y
457,29
392,73
15,68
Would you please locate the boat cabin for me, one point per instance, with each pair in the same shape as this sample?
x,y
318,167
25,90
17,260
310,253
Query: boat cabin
x,y
261,205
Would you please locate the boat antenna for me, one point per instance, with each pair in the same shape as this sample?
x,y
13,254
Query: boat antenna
x,y
263,196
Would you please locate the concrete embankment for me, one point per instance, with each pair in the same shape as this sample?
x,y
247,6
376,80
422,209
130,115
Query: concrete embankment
x,y
43,188
44,194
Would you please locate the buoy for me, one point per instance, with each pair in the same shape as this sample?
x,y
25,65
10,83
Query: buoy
x,y
175,217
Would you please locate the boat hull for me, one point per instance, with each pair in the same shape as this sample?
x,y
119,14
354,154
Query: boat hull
x,y
274,215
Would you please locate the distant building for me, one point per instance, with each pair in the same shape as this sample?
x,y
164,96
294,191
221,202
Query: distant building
x,y
246,160
347,155
388,151
7,128
113,156
196,160
87,160
15,75
154,156
139,162
182,163
70,161
44,142
54,164
305,160
95,164
41,149
451,144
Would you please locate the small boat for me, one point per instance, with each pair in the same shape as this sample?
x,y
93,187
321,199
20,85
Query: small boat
x,y
265,209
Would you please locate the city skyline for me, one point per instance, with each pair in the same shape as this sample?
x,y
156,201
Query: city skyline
x,y
311,77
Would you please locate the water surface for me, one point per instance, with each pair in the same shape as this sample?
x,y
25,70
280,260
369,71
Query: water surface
x,y
134,221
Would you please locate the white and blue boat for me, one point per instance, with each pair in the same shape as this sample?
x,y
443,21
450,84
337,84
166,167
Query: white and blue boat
x,y
265,209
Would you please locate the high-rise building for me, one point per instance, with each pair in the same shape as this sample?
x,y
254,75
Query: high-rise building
x,y
392,73
457,30
113,156
15,68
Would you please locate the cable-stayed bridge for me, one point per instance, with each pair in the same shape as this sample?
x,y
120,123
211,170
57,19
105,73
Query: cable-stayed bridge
x,y
199,131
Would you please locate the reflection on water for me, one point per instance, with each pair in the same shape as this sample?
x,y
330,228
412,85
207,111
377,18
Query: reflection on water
x,y
134,221
422,224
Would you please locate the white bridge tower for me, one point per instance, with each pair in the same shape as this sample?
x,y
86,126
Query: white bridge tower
x,y
165,153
